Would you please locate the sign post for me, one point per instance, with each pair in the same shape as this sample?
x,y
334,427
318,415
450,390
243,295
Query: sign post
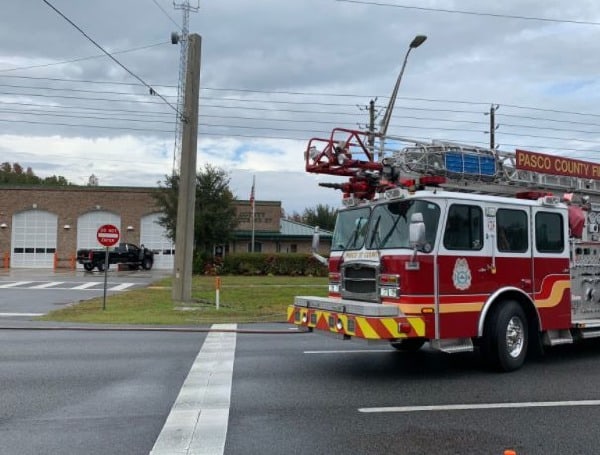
x,y
107,235
217,290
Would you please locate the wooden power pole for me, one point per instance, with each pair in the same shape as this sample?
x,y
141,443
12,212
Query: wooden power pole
x,y
184,235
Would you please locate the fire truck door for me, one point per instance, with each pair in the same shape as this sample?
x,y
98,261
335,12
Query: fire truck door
x,y
511,241
465,261
550,232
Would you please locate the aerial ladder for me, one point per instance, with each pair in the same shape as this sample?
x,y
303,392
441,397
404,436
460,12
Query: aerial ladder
x,y
411,163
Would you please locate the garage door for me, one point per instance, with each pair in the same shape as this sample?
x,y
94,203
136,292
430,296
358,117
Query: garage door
x,y
33,239
154,237
87,228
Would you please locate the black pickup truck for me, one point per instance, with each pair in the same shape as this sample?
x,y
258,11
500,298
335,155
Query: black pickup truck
x,y
133,256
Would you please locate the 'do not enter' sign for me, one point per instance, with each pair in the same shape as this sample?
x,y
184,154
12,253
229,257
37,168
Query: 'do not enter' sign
x,y
108,235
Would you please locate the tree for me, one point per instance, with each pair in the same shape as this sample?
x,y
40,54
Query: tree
x,y
215,216
15,174
55,180
93,180
321,215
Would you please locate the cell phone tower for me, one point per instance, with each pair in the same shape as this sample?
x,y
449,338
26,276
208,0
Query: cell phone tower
x,y
181,38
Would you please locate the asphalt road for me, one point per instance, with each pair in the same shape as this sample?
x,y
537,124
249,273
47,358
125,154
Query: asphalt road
x,y
66,392
306,393
111,392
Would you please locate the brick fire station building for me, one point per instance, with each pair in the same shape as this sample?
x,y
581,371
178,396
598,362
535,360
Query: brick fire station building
x,y
42,227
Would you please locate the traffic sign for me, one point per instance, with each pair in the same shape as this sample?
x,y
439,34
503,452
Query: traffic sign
x,y
108,235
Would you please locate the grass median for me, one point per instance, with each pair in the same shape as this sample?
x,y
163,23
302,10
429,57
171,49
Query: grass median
x,y
242,299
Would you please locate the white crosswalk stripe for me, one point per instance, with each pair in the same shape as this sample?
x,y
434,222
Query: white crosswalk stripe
x,y
90,284
14,284
66,285
47,285
120,287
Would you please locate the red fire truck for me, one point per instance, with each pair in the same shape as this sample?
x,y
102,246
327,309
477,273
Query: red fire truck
x,y
462,247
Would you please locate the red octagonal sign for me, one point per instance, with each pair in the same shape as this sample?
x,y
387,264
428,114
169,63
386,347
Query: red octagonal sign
x,y
108,235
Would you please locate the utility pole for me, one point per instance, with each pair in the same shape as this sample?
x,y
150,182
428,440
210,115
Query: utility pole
x,y
182,40
493,126
371,125
184,238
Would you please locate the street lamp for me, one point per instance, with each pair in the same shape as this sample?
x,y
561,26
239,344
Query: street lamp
x,y
416,42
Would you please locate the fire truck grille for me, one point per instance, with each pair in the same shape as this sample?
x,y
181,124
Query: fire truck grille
x,y
360,282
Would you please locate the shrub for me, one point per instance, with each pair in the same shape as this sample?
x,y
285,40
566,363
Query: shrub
x,y
289,264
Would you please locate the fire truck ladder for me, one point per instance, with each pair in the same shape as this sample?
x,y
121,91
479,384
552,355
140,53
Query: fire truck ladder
x,y
465,167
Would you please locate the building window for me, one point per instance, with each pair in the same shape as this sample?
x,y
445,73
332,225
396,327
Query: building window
x,y
293,248
257,247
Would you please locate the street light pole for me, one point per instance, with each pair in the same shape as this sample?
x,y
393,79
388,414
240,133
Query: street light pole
x,y
385,121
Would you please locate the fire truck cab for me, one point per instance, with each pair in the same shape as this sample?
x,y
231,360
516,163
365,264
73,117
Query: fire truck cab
x,y
507,274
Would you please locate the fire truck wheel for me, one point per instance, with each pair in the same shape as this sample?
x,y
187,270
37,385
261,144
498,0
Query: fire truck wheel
x,y
408,345
506,338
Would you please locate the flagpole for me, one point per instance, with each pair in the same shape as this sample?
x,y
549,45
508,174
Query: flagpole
x,y
253,212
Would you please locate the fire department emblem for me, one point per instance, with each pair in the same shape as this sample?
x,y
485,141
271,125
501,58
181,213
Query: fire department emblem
x,y
461,277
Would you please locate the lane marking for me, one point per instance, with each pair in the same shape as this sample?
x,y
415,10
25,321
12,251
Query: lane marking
x,y
475,406
16,283
12,315
47,285
352,351
197,423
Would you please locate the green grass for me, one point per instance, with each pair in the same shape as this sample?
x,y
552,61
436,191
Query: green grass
x,y
242,299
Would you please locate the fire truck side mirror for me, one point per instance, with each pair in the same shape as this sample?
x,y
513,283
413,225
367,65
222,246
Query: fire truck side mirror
x,y
315,247
315,240
416,233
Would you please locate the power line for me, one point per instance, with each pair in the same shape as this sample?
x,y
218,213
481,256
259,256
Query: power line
x,y
290,120
80,81
108,54
33,122
113,100
166,14
471,13
315,112
87,117
270,128
570,122
329,94
79,59
69,89
85,108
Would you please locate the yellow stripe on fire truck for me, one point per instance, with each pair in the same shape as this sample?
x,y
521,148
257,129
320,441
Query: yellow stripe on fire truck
x,y
371,328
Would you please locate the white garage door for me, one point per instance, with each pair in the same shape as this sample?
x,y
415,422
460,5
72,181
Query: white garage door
x,y
33,239
154,237
87,228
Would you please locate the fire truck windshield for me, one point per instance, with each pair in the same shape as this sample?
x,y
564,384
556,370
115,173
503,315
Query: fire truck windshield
x,y
350,229
390,228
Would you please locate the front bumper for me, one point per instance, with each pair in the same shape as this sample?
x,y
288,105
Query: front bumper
x,y
351,318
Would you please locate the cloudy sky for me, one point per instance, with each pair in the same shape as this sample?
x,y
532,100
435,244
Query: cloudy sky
x,y
276,73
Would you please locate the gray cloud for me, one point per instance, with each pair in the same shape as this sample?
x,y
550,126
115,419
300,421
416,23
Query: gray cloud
x,y
318,47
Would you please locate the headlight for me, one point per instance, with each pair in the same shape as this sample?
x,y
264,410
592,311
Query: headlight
x,y
389,292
